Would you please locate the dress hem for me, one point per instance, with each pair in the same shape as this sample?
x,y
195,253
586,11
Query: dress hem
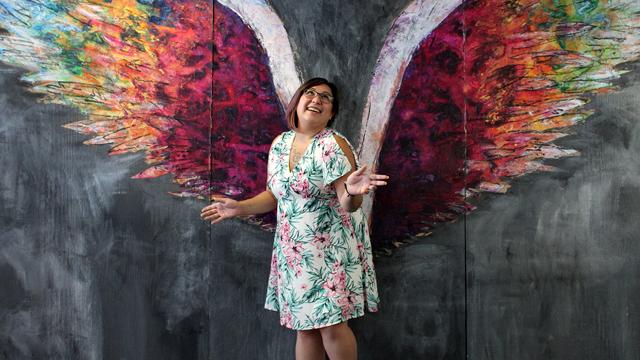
x,y
353,316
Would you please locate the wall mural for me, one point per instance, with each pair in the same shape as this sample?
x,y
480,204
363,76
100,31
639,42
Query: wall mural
x,y
462,98
485,95
141,72
138,76
478,99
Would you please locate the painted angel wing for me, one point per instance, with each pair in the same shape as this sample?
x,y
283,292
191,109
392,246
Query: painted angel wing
x,y
254,77
156,77
476,96
139,71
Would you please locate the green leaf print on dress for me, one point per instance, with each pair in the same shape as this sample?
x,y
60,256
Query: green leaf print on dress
x,y
321,269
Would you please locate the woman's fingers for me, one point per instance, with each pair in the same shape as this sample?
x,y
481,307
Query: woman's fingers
x,y
216,200
210,214
206,212
215,218
212,217
207,208
361,170
378,183
379,177
218,217
210,208
217,211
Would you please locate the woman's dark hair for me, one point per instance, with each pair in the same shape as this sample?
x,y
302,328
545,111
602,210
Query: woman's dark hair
x,y
292,116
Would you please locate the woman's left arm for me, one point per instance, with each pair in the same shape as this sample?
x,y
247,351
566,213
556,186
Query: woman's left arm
x,y
353,185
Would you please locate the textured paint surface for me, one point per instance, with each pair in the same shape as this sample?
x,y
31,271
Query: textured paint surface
x,y
102,267
96,265
140,72
485,96
247,113
269,31
412,26
555,276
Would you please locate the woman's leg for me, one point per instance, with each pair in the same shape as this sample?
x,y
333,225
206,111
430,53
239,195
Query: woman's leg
x,y
309,345
339,342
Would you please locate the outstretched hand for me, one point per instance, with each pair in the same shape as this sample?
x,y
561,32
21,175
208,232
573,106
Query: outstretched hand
x,y
359,182
222,208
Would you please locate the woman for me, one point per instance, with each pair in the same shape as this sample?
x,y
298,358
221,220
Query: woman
x,y
321,269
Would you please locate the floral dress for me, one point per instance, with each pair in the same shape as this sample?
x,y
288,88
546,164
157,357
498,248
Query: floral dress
x,y
321,268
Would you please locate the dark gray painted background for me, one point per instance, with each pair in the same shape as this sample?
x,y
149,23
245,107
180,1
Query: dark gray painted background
x,y
94,265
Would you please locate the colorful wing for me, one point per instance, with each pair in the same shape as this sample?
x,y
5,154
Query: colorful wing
x,y
254,77
477,95
144,74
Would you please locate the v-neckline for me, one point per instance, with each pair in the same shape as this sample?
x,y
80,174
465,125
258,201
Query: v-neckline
x,y
293,140
304,154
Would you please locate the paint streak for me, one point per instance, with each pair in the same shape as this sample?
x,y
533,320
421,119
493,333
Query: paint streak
x,y
140,72
260,17
484,97
246,111
143,74
423,150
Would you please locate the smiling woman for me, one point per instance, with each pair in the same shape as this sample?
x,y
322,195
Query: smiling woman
x,y
321,268
326,91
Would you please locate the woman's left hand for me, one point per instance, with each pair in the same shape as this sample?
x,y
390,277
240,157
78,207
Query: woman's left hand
x,y
359,182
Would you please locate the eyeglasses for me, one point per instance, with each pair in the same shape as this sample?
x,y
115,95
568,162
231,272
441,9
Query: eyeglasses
x,y
326,98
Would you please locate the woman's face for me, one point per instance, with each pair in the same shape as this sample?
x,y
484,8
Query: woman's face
x,y
315,107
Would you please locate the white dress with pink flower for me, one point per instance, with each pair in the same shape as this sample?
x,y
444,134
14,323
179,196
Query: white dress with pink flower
x,y
321,269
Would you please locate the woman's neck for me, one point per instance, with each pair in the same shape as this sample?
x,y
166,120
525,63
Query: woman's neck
x,y
307,133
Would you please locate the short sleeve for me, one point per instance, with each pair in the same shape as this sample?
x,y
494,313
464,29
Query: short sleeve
x,y
335,163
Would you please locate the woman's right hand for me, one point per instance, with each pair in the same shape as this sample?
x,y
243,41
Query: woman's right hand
x,y
222,208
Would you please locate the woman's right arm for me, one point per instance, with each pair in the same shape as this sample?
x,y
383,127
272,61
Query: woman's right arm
x,y
225,208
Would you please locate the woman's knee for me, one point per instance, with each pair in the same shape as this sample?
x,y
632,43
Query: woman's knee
x,y
334,331
309,334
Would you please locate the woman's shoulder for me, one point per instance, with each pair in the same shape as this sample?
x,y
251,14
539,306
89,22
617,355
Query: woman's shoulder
x,y
333,137
329,135
333,142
